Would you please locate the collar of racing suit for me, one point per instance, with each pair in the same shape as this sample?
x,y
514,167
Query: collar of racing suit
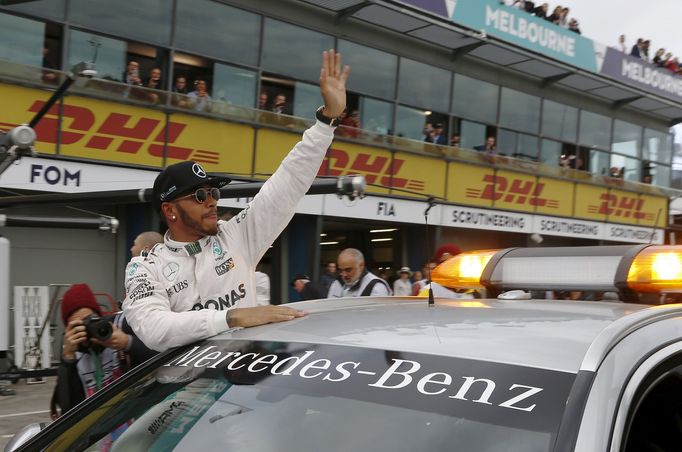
x,y
187,248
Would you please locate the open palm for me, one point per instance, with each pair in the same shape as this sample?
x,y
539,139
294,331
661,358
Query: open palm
x,y
333,83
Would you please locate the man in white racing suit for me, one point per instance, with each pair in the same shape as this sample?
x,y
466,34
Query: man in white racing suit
x,y
201,281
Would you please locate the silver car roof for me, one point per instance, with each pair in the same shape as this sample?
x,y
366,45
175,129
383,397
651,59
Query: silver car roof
x,y
550,334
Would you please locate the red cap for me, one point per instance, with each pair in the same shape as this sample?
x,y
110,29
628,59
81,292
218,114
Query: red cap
x,y
78,296
448,248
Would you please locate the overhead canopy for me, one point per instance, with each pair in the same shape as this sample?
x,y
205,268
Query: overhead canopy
x,y
433,26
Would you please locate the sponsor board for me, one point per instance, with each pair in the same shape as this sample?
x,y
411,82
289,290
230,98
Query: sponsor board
x,y
568,227
492,220
51,175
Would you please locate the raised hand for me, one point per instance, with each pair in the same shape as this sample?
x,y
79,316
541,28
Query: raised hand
x,y
333,83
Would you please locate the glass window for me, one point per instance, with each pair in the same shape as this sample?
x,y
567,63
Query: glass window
x,y
627,138
595,130
474,99
53,9
108,54
660,175
200,26
599,163
374,71
376,115
550,152
506,142
144,20
21,40
517,145
409,123
629,168
657,146
307,99
559,121
519,111
304,63
471,134
234,85
422,85
527,147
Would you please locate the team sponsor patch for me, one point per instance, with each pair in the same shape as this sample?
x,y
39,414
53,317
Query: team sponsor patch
x,y
171,270
132,268
141,291
224,267
177,288
217,250
225,302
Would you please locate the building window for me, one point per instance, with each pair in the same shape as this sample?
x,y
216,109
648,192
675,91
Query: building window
x,y
474,99
519,111
53,9
217,30
424,86
472,134
111,56
626,168
376,115
517,145
143,20
307,99
627,138
599,163
595,130
234,85
279,40
559,121
374,71
21,40
409,123
657,146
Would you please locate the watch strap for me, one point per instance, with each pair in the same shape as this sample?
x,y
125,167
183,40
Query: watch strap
x,y
334,122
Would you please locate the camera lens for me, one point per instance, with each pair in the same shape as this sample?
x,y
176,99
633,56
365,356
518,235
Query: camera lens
x,y
98,328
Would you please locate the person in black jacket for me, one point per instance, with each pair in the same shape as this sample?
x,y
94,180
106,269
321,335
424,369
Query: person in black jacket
x,y
88,364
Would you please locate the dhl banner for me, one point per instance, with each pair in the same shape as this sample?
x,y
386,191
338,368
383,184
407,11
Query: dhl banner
x,y
114,132
619,206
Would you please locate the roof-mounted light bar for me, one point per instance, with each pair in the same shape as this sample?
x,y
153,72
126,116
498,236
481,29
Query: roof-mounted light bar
x,y
628,269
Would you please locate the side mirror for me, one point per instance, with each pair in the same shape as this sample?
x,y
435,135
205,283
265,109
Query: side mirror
x,y
23,435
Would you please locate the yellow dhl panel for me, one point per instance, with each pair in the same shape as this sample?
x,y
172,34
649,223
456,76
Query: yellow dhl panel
x,y
517,191
19,105
99,130
619,206
219,146
413,173
271,148
467,183
555,197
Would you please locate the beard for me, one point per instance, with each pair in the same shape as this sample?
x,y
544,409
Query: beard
x,y
197,225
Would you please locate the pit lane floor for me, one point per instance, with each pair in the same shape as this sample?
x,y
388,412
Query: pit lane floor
x,y
31,403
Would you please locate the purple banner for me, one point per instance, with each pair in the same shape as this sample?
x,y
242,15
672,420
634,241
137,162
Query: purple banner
x,y
636,72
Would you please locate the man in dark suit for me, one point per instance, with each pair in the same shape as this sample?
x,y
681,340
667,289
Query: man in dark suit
x,y
307,289
489,146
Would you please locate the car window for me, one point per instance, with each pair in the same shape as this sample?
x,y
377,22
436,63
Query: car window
x,y
246,396
656,414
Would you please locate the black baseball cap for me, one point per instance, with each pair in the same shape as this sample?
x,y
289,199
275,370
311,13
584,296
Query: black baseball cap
x,y
179,178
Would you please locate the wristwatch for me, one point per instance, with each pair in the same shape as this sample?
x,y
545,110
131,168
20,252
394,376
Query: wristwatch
x,y
334,122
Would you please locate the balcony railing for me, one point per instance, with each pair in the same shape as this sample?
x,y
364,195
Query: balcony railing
x,y
181,103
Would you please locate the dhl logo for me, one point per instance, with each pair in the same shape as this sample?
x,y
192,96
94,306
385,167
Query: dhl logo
x,y
376,169
118,132
519,191
621,206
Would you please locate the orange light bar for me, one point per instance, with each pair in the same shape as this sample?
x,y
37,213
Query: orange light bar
x,y
464,270
656,269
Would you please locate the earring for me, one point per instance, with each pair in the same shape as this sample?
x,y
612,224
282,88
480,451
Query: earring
x,y
173,217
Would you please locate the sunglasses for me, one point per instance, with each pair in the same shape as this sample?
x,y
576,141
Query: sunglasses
x,y
202,194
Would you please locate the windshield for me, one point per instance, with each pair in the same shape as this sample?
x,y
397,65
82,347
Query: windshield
x,y
257,396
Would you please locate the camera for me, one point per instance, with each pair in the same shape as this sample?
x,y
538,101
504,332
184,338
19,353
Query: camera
x,y
98,327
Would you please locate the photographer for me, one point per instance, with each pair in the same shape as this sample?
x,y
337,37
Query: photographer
x,y
96,350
